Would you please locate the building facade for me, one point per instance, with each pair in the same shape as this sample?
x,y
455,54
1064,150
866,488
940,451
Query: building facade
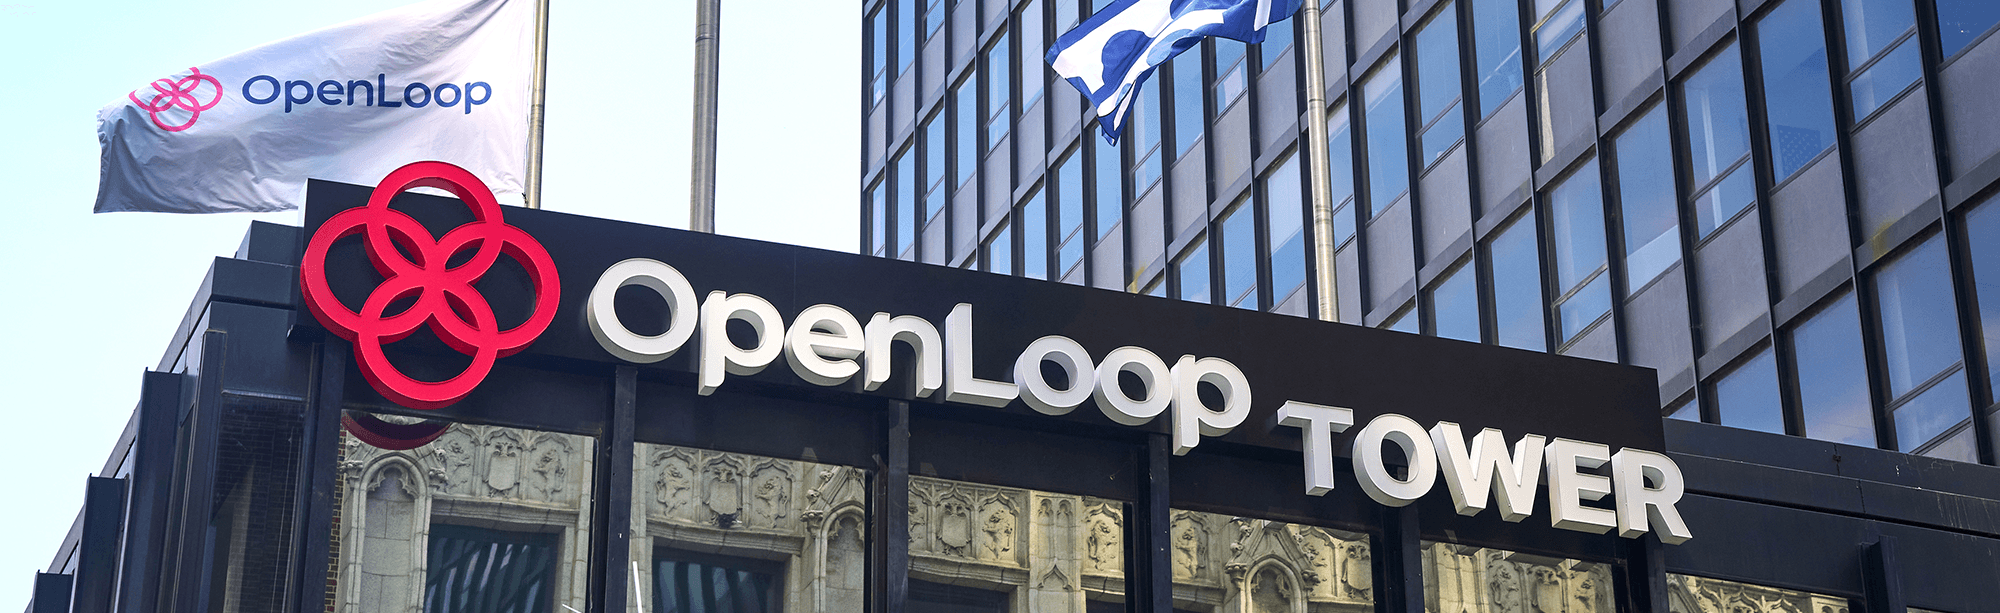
x,y
1777,205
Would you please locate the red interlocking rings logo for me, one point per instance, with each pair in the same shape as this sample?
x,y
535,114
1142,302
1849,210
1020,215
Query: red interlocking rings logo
x,y
171,94
444,294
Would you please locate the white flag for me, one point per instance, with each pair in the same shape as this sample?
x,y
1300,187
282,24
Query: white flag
x,y
439,80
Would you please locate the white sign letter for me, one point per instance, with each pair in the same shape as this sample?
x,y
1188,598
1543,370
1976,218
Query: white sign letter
x,y
959,384
1468,473
1036,391
822,343
650,274
719,354
1153,376
922,338
1374,474
1192,419
1637,502
1569,487
1317,425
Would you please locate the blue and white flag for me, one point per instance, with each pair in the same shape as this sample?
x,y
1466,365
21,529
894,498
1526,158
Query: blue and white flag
x,y
1111,54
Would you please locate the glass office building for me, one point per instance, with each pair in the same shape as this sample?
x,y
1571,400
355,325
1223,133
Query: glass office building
x,y
1781,206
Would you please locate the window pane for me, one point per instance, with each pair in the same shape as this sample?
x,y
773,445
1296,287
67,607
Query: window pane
x,y
1872,25
878,32
1887,78
475,570
1033,76
1110,192
1230,82
1441,136
1500,581
962,529
906,201
968,131
1069,213
1497,49
1239,256
1517,287
1747,396
1961,21
878,234
1437,64
934,171
1066,15
1035,238
1796,101
1189,118
906,34
1646,199
1145,126
1919,324
998,73
1455,306
1833,375
927,597
1192,274
1558,27
714,587
1285,223
1931,413
1982,231
1585,307
1000,252
1576,220
1404,322
1334,567
1718,129
1277,38
934,18
1722,202
1388,153
1688,412
1704,590
1340,155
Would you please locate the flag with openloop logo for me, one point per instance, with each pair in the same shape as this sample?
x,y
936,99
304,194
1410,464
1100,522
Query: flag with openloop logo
x,y
1110,55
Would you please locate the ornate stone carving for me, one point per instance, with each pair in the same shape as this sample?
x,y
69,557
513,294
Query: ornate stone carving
x,y
770,494
674,483
1104,540
1546,587
548,467
1357,573
997,528
1271,591
1190,545
450,460
954,523
503,462
1697,595
1503,583
722,488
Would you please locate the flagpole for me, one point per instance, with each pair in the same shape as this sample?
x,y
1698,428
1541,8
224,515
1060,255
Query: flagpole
x,y
533,188
1320,178
707,40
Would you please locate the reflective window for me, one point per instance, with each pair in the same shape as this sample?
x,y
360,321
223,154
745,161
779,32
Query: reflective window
x,y
1646,199
689,581
906,34
1238,250
878,56
1885,79
1438,85
1326,569
1561,20
1340,156
1110,195
1919,340
934,15
1962,21
1383,125
1718,136
1014,540
1145,127
1455,306
997,95
1982,232
1515,268
1496,34
1481,580
878,218
906,203
1230,80
1747,396
1191,273
1833,375
1285,214
967,134
1874,27
928,597
1277,38
1035,238
1033,72
473,570
1069,214
1189,118
934,167
999,251
1687,412
1688,594
1404,322
1576,240
1792,45
1066,15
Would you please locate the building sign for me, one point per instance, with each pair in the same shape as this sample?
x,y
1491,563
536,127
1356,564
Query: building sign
x,y
374,275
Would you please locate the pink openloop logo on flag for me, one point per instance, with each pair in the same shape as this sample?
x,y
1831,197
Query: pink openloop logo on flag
x,y
182,94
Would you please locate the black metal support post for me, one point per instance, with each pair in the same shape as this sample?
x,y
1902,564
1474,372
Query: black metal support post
x,y
611,509
51,593
1148,584
161,399
200,435
97,550
1646,574
1399,562
889,514
319,473
1878,569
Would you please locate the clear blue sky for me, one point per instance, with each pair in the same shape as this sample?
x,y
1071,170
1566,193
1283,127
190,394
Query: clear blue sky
x,y
90,301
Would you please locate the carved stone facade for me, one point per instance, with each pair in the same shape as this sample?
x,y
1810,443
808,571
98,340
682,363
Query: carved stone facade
x,y
811,517
1049,552
1461,579
1246,565
485,476
1687,594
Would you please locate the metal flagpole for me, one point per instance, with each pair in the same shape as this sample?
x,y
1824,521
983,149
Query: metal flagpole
x,y
1321,177
540,95
707,40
